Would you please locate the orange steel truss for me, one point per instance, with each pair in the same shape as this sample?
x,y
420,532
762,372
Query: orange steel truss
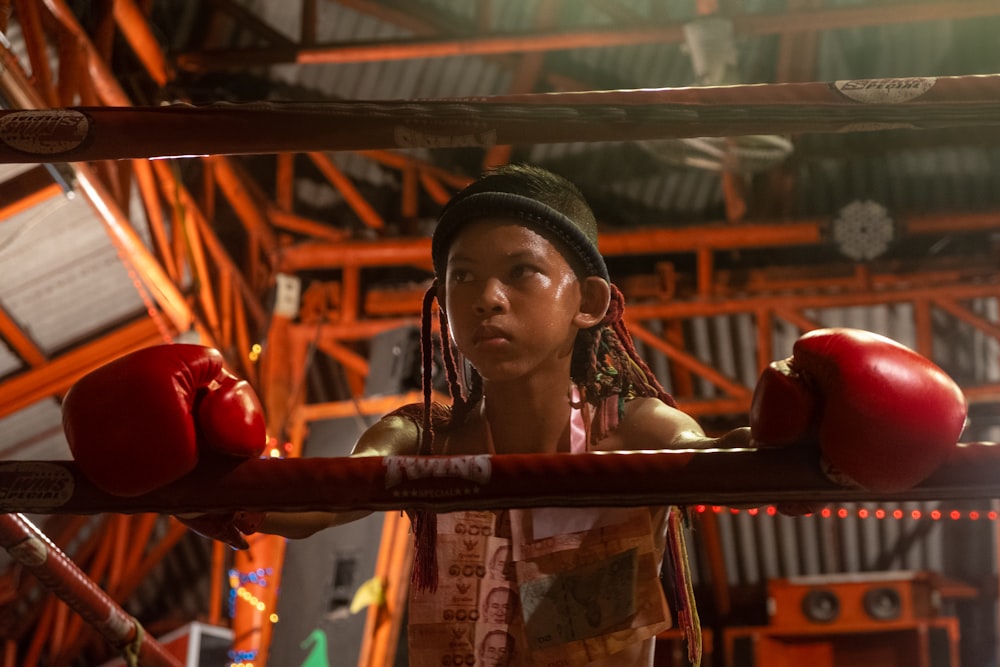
x,y
195,283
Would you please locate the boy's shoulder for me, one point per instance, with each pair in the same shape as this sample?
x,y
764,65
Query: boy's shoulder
x,y
399,432
649,423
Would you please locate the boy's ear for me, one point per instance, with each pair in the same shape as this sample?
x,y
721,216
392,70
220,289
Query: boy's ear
x,y
595,297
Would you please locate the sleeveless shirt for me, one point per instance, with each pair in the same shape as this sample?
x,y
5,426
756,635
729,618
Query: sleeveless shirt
x,y
547,587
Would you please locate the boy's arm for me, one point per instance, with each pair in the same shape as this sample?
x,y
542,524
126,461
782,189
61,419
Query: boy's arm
x,y
649,423
652,424
392,435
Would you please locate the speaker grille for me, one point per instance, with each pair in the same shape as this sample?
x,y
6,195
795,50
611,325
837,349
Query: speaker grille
x,y
883,604
821,605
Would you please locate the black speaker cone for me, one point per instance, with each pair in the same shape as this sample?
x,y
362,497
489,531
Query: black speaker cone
x,y
883,604
821,605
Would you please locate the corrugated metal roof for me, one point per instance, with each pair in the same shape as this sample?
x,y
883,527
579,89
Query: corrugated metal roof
x,y
61,277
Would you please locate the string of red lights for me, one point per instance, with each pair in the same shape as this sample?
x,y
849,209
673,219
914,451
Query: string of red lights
x,y
865,513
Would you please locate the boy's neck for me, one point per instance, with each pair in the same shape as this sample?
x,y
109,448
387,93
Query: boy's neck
x,y
529,417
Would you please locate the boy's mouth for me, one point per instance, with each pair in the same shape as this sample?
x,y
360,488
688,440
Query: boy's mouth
x,y
489,334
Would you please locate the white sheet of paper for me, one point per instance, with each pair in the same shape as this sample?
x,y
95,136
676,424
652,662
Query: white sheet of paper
x,y
551,521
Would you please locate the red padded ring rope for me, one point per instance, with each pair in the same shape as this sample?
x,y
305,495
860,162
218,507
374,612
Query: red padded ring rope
x,y
444,483
100,133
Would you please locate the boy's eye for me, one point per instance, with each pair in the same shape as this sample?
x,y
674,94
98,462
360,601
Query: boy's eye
x,y
523,270
459,275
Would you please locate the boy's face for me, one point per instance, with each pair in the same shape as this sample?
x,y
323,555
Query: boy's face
x,y
512,299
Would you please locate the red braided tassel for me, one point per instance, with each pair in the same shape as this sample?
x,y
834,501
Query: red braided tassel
x,y
687,614
425,567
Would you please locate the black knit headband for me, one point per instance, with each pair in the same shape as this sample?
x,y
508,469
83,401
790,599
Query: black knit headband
x,y
528,210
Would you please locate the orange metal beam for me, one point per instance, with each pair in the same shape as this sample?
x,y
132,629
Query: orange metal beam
x,y
410,195
133,24
347,357
285,182
962,314
300,225
163,290
111,93
526,74
140,533
185,222
384,623
712,236
42,629
765,338
360,52
433,187
245,198
369,216
77,41
21,343
754,303
193,243
746,25
360,330
940,289
401,162
26,190
154,553
243,343
688,361
681,376
181,197
282,372
377,406
762,282
101,29
35,42
56,376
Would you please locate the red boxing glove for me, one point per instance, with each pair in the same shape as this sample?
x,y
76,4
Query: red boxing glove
x,y
885,417
141,421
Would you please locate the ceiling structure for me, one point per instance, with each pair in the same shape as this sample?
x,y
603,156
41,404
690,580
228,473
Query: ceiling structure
x,y
294,263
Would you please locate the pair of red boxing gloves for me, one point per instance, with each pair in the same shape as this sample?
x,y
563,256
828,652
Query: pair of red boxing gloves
x,y
883,416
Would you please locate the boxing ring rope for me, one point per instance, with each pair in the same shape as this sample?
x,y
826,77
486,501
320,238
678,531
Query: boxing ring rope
x,y
452,483
438,483
31,548
98,133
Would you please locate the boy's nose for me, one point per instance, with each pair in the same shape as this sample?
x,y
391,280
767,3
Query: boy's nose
x,y
493,297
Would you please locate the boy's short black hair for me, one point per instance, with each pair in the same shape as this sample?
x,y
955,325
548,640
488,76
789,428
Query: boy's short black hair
x,y
536,196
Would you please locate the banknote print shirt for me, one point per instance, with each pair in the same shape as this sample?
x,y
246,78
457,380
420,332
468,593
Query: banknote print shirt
x,y
554,587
